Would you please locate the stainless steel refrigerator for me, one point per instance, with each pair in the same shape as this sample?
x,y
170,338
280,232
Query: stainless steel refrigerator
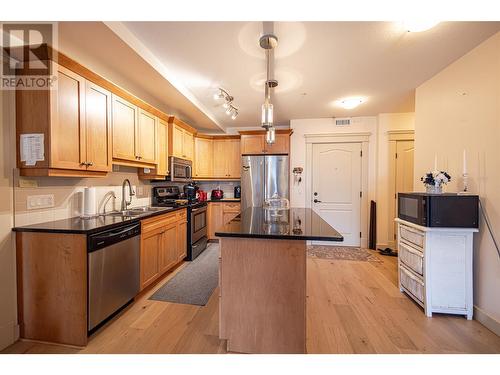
x,y
262,177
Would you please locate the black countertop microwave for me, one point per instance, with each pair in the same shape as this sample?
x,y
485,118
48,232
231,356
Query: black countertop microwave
x,y
446,210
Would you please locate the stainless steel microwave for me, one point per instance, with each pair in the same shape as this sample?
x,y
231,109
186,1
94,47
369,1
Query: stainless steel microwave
x,y
446,210
181,170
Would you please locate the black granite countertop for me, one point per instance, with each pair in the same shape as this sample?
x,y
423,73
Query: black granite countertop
x,y
292,224
224,200
77,225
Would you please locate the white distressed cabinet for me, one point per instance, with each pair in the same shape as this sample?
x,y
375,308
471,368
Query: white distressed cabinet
x,y
435,267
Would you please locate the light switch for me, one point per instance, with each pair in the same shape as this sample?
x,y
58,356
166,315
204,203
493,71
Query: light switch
x,y
35,202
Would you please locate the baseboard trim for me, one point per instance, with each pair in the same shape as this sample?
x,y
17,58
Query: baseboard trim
x,y
9,334
486,320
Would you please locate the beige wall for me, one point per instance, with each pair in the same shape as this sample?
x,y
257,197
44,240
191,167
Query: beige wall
x,y
8,312
387,122
458,109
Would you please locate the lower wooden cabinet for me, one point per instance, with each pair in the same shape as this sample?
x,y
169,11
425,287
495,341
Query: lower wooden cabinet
x,y
163,244
220,213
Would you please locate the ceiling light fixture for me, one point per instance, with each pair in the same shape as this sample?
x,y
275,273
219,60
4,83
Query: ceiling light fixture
x,y
416,26
231,110
350,103
268,42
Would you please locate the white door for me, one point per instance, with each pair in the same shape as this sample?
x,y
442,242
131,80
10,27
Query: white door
x,y
336,187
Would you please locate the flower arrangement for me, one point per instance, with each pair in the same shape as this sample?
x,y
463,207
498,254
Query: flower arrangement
x,y
434,181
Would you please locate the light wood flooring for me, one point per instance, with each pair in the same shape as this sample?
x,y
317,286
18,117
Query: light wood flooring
x,y
353,307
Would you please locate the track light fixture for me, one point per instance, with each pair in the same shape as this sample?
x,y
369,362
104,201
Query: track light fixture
x,y
231,110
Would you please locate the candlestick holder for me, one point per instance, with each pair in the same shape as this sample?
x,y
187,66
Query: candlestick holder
x,y
465,184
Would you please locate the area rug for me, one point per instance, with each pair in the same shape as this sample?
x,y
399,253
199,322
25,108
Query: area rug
x,y
195,283
341,253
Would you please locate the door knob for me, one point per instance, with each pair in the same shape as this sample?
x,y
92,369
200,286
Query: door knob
x,y
316,201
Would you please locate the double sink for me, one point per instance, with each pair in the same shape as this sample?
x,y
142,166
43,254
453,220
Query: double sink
x,y
138,211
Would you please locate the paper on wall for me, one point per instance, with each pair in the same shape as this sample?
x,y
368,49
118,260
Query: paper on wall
x,y
32,148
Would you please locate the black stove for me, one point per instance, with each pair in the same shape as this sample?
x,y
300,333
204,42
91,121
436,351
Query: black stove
x,y
169,196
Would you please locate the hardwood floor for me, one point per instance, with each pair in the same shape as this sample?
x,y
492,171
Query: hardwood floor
x,y
353,307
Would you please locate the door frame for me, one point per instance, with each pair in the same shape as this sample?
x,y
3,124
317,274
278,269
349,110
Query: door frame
x,y
361,137
393,137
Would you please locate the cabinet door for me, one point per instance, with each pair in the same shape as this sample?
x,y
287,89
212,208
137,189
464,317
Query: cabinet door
x,y
181,240
252,144
124,129
177,141
146,137
67,144
203,157
151,243
220,158
162,143
228,216
281,146
168,253
98,127
187,139
234,158
215,219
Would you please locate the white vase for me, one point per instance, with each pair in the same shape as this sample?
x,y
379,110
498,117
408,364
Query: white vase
x,y
432,189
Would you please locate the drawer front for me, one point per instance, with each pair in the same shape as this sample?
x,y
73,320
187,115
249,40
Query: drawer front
x,y
411,235
411,257
231,207
411,283
158,222
182,215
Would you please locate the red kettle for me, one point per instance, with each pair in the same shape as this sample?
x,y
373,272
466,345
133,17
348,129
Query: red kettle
x,y
217,194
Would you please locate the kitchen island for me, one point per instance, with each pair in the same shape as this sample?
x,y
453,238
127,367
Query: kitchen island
x,y
262,278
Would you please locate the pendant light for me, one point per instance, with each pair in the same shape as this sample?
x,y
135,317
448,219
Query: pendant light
x,y
268,42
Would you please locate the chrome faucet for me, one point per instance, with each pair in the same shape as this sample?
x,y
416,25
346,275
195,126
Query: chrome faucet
x,y
131,192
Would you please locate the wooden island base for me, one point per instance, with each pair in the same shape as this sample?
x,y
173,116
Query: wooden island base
x,y
263,295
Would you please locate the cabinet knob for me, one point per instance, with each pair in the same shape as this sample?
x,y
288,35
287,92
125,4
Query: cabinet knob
x,y
89,164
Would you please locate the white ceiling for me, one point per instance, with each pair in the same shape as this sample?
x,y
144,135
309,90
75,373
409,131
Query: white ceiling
x,y
316,63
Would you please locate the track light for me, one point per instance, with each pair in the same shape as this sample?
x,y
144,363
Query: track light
x,y
235,114
231,110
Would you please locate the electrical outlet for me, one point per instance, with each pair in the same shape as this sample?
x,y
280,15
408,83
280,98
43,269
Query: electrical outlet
x,y
25,183
35,202
140,191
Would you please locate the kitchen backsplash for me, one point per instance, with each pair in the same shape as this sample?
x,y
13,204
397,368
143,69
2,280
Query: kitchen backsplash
x,y
68,194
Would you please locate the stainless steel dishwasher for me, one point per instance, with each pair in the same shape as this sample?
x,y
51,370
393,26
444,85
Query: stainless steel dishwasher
x,y
113,267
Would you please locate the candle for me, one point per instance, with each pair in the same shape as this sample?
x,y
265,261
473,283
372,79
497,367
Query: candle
x,y
435,162
464,164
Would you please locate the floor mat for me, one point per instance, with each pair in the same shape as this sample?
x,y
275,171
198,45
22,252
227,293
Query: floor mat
x,y
195,283
341,253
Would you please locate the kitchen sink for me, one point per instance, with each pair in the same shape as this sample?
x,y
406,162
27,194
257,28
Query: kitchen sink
x,y
137,211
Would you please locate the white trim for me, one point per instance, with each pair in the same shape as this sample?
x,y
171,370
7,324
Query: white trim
x,y
487,320
363,138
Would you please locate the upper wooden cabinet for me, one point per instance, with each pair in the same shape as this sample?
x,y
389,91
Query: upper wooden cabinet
x,y
134,134
181,139
161,169
217,157
254,143
203,157
75,120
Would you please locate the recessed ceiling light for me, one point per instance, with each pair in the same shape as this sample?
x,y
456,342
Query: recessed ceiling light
x,y
416,26
350,103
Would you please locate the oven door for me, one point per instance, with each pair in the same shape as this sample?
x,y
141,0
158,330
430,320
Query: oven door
x,y
412,208
198,223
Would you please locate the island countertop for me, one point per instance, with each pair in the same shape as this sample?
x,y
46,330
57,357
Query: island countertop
x,y
290,224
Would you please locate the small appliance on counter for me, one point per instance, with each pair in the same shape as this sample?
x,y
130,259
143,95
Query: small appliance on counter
x,y
447,210
191,192
237,192
202,195
217,194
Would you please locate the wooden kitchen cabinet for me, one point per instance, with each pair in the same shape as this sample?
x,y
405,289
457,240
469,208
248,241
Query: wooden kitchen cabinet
x,y
134,135
75,121
162,167
220,213
181,139
163,245
217,158
146,137
203,157
254,143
